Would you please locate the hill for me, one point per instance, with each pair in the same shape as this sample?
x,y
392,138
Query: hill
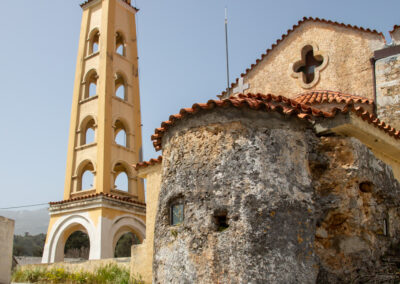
x,y
28,221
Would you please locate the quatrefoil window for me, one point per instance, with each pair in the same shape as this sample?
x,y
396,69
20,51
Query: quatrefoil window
x,y
307,69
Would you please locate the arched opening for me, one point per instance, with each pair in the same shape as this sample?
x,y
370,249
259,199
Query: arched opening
x,y
90,85
88,131
94,42
86,180
124,244
121,181
77,245
121,178
120,44
120,87
120,134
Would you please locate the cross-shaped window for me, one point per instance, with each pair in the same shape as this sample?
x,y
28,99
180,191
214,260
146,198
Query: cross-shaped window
x,y
308,64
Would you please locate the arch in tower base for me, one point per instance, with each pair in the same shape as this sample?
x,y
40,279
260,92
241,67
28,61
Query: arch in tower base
x,y
61,230
103,217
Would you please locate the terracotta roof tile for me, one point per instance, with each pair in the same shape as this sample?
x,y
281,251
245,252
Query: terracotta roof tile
x,y
320,97
395,27
301,22
126,1
126,199
149,163
269,103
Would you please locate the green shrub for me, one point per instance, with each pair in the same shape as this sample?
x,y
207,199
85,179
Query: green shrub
x,y
108,274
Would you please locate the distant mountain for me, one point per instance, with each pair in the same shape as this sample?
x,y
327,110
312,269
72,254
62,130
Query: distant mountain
x,y
32,221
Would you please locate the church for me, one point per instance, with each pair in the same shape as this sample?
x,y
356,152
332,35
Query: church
x,y
289,176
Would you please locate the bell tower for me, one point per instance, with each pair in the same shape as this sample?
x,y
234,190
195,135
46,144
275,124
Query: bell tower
x,y
103,197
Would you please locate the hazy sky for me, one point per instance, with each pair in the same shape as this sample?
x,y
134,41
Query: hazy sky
x,y
182,61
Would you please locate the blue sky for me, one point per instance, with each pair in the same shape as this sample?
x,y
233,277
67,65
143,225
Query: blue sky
x,y
182,61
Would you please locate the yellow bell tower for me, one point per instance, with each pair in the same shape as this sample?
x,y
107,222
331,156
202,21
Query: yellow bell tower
x,y
102,195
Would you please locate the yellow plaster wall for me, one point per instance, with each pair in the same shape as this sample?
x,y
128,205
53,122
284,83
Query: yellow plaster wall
x,y
349,69
142,255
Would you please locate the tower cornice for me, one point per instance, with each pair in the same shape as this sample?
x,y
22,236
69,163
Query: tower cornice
x,y
89,3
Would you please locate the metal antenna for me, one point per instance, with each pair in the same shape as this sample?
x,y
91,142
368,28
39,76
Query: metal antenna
x,y
227,54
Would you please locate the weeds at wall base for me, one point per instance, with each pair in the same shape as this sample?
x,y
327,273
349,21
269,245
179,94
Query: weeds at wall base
x,y
107,274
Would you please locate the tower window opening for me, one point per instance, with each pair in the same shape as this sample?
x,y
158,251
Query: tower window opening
x,y
89,136
86,181
121,137
120,87
121,179
92,89
94,42
120,45
91,85
88,132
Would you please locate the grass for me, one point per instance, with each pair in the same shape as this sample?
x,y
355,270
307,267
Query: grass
x,y
107,274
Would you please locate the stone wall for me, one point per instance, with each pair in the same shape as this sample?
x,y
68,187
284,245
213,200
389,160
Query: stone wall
x,y
358,220
388,90
6,248
234,163
299,208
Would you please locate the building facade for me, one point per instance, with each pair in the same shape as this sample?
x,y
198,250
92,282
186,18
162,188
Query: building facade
x,y
291,176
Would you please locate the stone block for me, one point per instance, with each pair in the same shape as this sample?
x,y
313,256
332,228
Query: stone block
x,y
6,248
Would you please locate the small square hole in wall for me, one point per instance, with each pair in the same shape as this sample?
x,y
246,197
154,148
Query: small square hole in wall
x,y
221,220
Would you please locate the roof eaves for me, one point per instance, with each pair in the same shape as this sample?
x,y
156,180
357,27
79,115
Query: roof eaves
x,y
268,103
151,162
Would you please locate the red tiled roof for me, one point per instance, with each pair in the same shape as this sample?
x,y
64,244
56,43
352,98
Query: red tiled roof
x,y
269,103
320,97
304,20
149,163
126,199
395,27
126,1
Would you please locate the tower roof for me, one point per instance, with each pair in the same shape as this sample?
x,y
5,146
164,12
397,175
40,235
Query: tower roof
x,y
126,1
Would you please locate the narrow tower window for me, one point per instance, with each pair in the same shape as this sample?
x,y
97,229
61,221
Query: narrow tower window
x,y
91,85
121,182
120,44
121,178
86,178
120,87
121,137
88,131
94,42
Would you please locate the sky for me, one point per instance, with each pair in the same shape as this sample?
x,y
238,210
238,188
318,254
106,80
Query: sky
x,y
181,61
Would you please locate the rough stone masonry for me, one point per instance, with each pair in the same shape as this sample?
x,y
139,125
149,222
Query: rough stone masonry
x,y
266,200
